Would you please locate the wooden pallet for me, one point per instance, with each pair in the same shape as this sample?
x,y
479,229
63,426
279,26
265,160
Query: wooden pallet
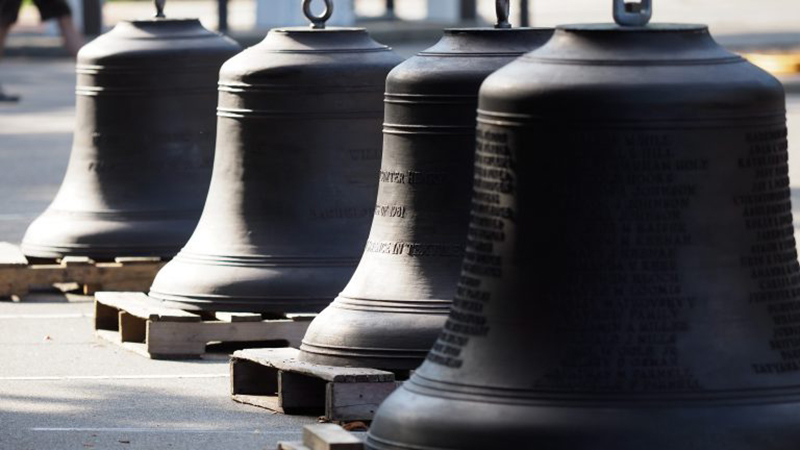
x,y
324,436
274,378
144,325
18,276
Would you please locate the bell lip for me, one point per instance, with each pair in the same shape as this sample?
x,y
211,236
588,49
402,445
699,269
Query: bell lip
x,y
241,304
95,252
665,27
381,359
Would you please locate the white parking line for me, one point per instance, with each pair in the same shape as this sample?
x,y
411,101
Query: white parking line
x,y
118,377
166,430
45,316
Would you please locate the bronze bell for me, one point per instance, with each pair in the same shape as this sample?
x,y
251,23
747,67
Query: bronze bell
x,y
390,313
631,280
143,146
294,182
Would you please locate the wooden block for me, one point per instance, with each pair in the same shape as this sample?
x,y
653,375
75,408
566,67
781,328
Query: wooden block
x,y
328,436
305,317
91,289
13,276
16,274
300,393
132,260
237,317
287,359
140,305
125,276
70,261
212,331
173,340
355,401
292,446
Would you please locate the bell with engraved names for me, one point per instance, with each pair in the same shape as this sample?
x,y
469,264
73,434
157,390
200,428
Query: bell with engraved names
x,y
144,143
631,280
295,175
395,305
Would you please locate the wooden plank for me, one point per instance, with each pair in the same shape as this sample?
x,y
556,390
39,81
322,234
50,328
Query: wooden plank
x,y
13,276
302,316
140,305
126,276
175,339
131,260
328,436
292,446
347,402
17,275
287,359
76,261
238,317
163,332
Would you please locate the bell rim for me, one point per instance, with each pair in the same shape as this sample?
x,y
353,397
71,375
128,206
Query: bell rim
x,y
241,304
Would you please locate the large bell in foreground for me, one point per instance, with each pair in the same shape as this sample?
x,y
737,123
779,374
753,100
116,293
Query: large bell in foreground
x,y
143,146
635,285
390,313
295,175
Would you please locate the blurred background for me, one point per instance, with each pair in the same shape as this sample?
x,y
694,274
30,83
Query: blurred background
x,y
777,22
731,16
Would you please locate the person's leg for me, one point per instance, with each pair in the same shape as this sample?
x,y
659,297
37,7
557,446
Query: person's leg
x,y
60,10
72,38
3,34
9,9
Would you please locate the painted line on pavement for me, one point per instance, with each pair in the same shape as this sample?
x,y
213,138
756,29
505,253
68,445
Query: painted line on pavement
x,y
166,430
118,377
46,316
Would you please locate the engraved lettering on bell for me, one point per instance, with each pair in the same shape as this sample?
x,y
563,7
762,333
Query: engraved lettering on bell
x,y
396,303
295,175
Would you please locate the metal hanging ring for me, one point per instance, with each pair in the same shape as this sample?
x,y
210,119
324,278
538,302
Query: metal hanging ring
x,y
160,8
318,22
503,8
633,14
